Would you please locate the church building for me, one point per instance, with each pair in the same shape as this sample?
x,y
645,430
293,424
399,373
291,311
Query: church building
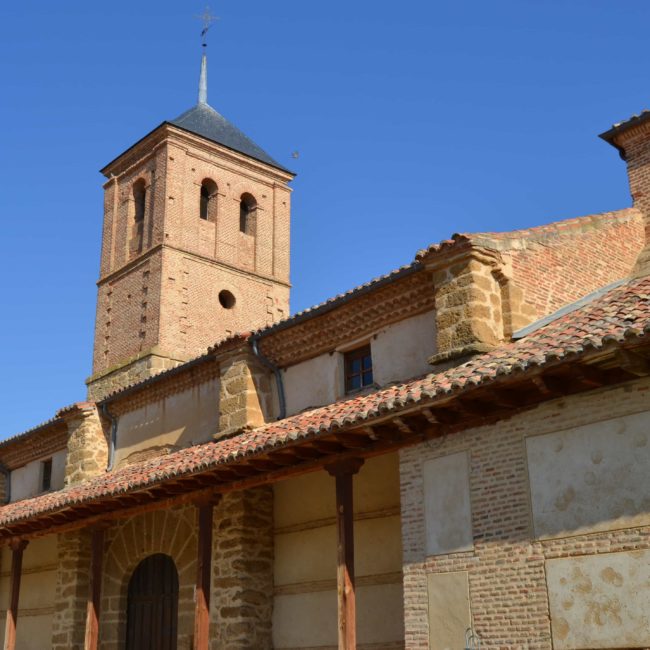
x,y
453,455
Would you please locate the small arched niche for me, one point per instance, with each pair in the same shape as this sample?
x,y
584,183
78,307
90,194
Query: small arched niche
x,y
247,214
208,200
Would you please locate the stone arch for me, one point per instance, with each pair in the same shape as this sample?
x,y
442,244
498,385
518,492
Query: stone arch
x,y
152,605
171,532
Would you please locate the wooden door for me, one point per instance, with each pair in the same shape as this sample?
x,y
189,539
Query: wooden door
x,y
152,606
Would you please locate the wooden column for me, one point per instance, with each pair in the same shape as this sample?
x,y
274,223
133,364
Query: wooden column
x,y
343,473
95,590
203,574
17,547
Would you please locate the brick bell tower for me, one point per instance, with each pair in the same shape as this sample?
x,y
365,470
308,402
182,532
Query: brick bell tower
x,y
195,246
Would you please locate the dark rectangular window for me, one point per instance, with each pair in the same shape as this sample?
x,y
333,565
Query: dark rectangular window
x,y
358,369
46,475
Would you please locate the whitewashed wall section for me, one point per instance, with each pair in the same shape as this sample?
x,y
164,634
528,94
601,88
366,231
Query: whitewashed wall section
x,y
590,478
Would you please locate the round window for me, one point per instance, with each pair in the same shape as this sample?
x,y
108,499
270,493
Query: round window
x,y
226,299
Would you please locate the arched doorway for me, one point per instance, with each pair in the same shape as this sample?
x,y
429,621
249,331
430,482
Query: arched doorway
x,y
152,605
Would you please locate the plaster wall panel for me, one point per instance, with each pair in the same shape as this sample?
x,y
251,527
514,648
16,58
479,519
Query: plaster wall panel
x,y
34,632
306,620
310,620
312,497
178,420
26,481
58,469
447,509
401,350
310,555
592,477
449,609
37,593
600,601
312,383
305,558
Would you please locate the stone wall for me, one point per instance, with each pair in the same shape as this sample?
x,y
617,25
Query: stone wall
x,y
172,532
500,581
242,571
133,371
87,443
72,585
245,399
476,305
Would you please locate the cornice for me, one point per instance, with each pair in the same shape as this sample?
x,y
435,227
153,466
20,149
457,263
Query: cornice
x,y
144,257
42,443
357,318
180,137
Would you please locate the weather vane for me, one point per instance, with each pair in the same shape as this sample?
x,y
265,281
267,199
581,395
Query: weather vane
x,y
207,19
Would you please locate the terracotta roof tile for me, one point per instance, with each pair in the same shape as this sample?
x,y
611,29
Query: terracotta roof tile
x,y
622,313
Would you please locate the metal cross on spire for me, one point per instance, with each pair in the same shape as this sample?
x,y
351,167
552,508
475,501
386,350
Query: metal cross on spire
x,y
207,19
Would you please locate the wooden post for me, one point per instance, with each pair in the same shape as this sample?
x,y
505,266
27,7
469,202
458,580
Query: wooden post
x,y
17,547
343,473
203,573
95,590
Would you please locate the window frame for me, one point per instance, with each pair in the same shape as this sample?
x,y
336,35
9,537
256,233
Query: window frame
x,y
349,374
45,473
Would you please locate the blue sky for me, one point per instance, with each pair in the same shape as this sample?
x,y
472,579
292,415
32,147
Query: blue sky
x,y
413,120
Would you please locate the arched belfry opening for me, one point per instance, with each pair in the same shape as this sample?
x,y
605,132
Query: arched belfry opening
x,y
208,200
152,605
139,205
247,214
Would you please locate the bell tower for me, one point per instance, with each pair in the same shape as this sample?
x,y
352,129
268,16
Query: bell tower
x,y
195,246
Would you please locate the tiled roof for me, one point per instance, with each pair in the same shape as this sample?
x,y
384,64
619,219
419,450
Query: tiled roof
x,y
621,314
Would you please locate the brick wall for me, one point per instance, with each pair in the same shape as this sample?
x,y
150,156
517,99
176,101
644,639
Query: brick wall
x,y
506,568
559,263
166,298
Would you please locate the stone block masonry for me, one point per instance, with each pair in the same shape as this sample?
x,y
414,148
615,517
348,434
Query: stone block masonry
x,y
87,443
72,584
245,394
242,579
242,573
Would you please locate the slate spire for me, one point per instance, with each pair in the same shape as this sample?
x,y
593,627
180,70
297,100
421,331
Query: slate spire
x,y
203,80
